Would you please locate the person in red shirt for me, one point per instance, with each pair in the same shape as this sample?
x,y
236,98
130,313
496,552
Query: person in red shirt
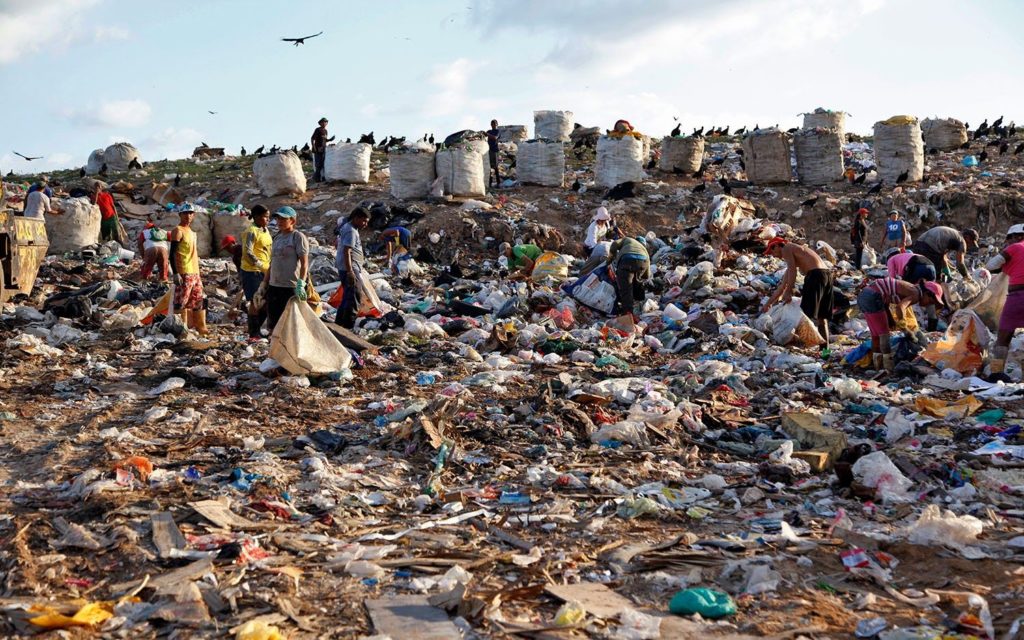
x,y
108,222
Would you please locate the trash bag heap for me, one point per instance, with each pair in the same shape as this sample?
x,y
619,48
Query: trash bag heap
x,y
500,448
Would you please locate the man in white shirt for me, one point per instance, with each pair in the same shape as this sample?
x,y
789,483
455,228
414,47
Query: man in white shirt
x,y
36,204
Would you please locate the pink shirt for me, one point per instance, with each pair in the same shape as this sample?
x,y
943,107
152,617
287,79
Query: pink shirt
x,y
1014,267
897,263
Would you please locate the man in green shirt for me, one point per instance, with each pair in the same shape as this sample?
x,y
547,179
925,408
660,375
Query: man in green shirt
x,y
631,264
520,257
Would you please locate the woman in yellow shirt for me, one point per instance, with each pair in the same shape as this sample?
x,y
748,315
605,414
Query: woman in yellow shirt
x,y
188,286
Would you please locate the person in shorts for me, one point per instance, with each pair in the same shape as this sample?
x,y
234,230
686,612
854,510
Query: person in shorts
x,y
817,295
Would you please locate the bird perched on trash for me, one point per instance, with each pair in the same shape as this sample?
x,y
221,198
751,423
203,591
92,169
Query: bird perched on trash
x,y
698,133
275,149
384,142
903,177
877,187
134,164
998,121
576,185
718,161
725,131
726,189
793,130
243,151
861,178
810,202
653,163
699,188
983,156
966,145
622,191
367,138
204,145
103,169
741,131
29,159
302,40
81,172
1003,148
1020,147
348,140
259,151
431,139
675,131
699,173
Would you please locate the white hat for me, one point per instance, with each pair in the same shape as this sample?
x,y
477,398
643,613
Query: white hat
x,y
1015,229
602,214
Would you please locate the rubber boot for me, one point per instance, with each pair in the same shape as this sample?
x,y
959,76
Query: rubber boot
x,y
199,317
876,361
888,362
186,319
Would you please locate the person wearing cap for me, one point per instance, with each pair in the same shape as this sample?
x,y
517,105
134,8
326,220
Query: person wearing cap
x,y
1009,261
189,298
229,244
255,260
492,152
520,257
395,237
816,297
109,227
935,243
631,265
289,267
153,246
859,236
42,185
350,261
37,203
895,232
600,225
874,301
318,143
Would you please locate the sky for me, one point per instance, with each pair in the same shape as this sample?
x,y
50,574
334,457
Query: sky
x,y
82,74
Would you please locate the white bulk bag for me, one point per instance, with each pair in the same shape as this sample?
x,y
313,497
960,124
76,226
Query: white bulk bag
x,y
619,160
899,148
541,162
348,163
95,163
681,154
461,170
412,172
75,227
552,125
303,345
119,155
279,174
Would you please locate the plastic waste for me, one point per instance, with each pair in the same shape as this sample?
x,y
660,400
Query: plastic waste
x,y
897,426
707,602
258,630
877,471
570,614
936,526
637,507
636,625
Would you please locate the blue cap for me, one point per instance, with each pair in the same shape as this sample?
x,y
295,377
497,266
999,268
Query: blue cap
x,y
186,207
285,212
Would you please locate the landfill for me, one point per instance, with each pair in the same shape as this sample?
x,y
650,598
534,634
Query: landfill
x,y
491,456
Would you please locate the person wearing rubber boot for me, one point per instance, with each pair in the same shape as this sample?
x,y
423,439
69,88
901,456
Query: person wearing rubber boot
x,y
817,294
1011,262
188,285
874,301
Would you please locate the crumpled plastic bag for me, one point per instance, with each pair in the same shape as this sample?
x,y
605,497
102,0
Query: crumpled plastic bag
x,y
258,630
962,345
959,409
989,303
936,526
877,471
91,614
790,325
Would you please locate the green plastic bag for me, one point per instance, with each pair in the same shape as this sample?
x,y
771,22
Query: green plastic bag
x,y
707,602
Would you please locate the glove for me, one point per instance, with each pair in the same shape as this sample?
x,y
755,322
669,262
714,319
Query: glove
x,y
177,279
300,289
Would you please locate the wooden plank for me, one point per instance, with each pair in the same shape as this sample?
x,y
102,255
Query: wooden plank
x,y
168,581
221,515
597,599
349,339
166,536
411,617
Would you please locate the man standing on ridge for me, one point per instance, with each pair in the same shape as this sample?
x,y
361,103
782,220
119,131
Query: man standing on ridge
x,y
318,141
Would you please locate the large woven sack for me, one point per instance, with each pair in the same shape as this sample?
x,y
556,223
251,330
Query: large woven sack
x,y
552,125
619,160
819,155
512,133
541,162
480,146
303,345
225,223
766,153
348,163
825,119
461,171
75,227
412,171
681,154
944,134
119,155
95,163
280,174
899,148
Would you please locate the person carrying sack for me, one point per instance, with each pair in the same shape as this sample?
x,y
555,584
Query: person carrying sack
x,y
289,267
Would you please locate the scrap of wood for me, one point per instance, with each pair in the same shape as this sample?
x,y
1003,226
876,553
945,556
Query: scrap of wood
x,y
168,580
221,515
596,598
502,535
166,536
411,617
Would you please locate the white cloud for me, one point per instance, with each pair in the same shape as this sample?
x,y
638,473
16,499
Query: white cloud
x,y
171,143
452,88
31,26
113,113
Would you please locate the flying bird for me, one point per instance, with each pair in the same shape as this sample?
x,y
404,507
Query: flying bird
x,y
29,158
302,40
212,113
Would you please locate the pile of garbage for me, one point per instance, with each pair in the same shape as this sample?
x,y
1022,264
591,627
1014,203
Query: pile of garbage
x,y
493,456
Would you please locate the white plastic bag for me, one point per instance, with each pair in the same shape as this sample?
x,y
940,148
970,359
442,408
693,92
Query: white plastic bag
x,y
461,168
877,471
552,125
789,324
412,173
936,526
303,345
989,303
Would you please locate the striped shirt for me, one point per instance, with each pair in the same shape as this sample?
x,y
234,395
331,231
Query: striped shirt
x,y
888,288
